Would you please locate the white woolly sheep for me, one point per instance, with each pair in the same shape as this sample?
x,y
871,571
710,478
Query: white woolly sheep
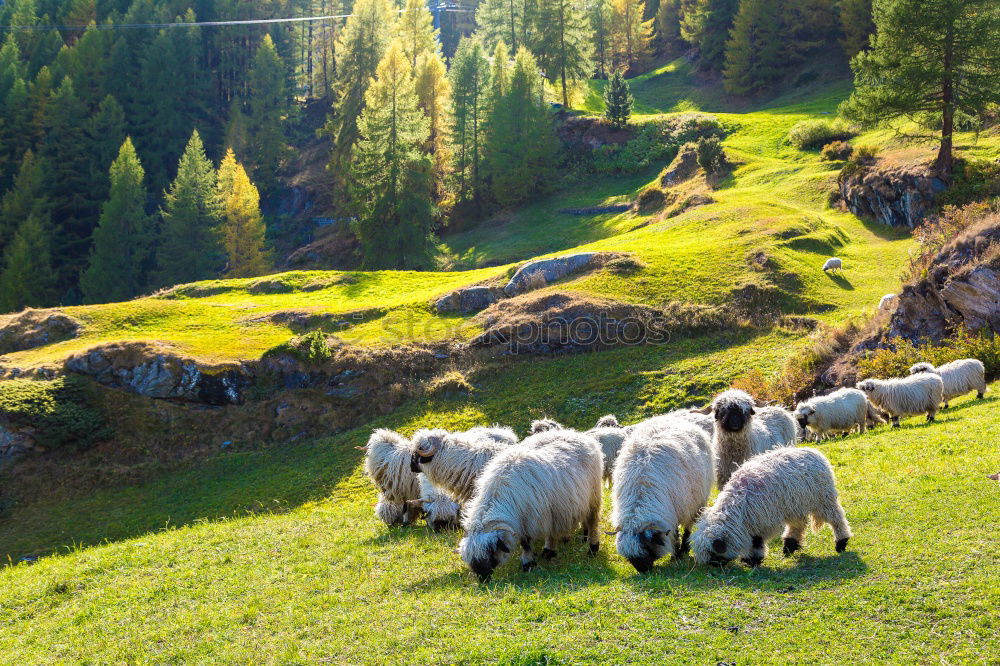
x,y
778,489
662,479
903,396
741,431
838,412
453,461
608,421
387,464
440,510
833,264
544,488
959,377
703,421
497,433
544,425
888,302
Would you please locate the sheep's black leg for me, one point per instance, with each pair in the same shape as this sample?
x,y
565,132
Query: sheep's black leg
x,y
549,551
895,421
756,554
979,395
527,556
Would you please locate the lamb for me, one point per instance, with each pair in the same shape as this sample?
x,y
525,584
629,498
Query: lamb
x,y
662,479
541,489
959,377
838,412
833,264
387,458
439,509
888,302
453,461
779,488
916,394
741,431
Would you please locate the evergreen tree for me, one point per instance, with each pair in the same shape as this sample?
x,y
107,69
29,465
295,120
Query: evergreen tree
x,y
105,132
630,34
11,66
510,21
15,131
521,146
499,75
40,94
564,38
25,199
668,24
601,21
46,46
189,245
243,229
415,31
434,97
26,277
123,238
237,135
754,57
617,101
359,49
391,174
806,27
706,24
856,24
929,58
267,111
470,76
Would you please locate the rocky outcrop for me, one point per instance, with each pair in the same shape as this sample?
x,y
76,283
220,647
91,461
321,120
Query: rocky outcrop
x,y
15,442
898,196
684,166
156,372
541,272
34,328
468,300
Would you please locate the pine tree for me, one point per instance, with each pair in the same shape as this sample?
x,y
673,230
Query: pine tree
x,y
359,49
237,135
105,132
617,101
434,97
564,37
929,58
26,277
754,57
391,174
40,94
11,66
856,24
416,32
123,239
601,21
243,230
189,247
510,21
521,145
470,82
26,198
630,35
668,24
15,131
706,24
267,111
499,75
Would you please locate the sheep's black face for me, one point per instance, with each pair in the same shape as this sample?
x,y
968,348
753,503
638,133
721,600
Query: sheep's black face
x,y
651,548
719,552
732,417
416,460
803,420
495,556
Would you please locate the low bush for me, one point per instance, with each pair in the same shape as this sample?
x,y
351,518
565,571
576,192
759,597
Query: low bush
x,y
312,348
711,156
896,360
808,134
937,231
654,142
61,412
836,151
863,156
972,180
651,199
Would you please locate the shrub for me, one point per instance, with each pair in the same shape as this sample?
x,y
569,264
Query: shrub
x,y
312,348
896,360
451,383
836,151
62,411
935,232
654,142
862,156
972,180
711,156
651,199
808,134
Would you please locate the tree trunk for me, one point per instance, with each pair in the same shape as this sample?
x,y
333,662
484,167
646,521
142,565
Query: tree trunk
x,y
944,160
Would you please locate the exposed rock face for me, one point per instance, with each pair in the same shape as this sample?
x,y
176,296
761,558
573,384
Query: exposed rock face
x,y
896,196
468,300
541,272
684,166
14,442
34,328
155,372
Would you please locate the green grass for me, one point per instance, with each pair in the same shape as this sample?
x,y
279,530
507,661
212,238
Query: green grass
x,y
315,576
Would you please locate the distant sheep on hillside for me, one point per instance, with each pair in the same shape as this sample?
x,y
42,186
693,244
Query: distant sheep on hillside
x,y
888,302
833,264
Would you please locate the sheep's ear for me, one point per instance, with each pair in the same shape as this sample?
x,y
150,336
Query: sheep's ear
x,y
361,448
707,409
752,411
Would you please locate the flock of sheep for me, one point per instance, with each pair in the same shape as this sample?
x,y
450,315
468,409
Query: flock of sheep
x,y
505,492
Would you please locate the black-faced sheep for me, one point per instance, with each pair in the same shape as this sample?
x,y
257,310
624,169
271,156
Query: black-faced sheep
x,y
959,377
662,480
838,412
608,421
543,488
917,394
743,430
387,464
778,489
453,461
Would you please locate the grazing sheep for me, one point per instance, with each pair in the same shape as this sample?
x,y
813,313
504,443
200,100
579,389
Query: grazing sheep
x,y
439,509
959,377
839,412
608,421
543,488
662,479
916,394
741,431
544,425
888,302
453,461
779,488
387,464
611,441
833,264
497,433
703,421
